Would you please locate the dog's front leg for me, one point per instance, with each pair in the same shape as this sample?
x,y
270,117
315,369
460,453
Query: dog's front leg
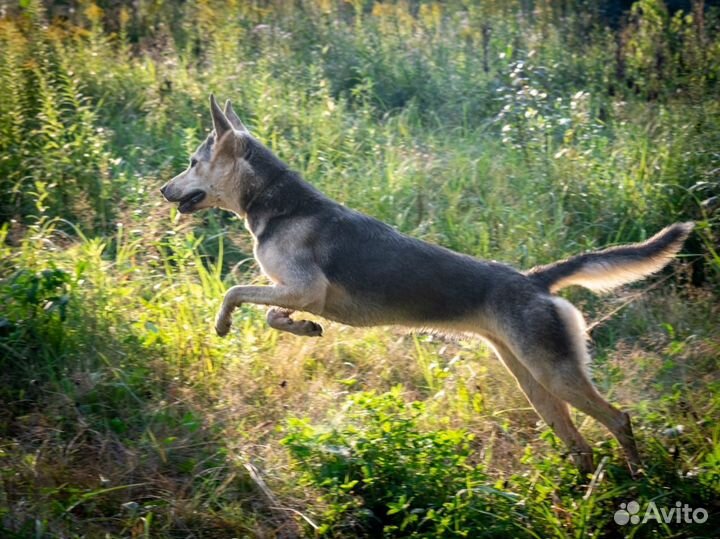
x,y
280,319
285,297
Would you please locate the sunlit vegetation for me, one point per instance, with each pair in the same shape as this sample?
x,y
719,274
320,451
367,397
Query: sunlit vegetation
x,y
516,131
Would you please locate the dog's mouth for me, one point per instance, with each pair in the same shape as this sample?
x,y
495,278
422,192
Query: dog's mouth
x,y
187,203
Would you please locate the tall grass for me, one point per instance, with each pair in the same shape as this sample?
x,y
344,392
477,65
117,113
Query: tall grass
x,y
505,132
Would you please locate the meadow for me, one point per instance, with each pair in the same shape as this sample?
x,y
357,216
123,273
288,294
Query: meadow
x,y
511,130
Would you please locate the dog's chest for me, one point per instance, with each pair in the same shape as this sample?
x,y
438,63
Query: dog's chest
x,y
271,261
267,254
278,261
282,251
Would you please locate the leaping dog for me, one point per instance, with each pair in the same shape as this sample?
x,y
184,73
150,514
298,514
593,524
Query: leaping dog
x,y
339,264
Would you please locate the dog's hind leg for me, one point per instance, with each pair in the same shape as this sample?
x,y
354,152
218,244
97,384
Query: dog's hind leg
x,y
559,365
574,387
553,410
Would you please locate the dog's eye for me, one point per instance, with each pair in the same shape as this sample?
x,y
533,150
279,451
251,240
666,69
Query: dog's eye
x,y
193,162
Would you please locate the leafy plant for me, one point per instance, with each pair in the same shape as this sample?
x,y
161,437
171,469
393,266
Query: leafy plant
x,y
380,471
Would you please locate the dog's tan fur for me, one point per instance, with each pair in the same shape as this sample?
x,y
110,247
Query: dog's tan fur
x,y
336,263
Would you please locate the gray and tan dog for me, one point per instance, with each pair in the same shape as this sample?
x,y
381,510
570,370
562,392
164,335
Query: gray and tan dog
x,y
334,262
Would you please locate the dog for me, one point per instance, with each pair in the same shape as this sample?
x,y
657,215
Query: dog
x,y
339,264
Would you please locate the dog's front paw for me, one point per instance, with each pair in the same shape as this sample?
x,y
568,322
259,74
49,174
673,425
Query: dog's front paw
x,y
306,328
222,325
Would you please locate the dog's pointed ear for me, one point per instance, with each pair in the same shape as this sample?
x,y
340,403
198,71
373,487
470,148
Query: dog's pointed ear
x,y
221,124
234,118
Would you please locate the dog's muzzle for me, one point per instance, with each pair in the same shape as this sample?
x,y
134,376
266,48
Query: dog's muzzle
x,y
187,203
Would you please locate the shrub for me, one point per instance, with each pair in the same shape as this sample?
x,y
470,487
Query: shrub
x,y
54,159
380,471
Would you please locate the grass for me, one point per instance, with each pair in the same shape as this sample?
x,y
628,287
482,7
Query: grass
x,y
487,128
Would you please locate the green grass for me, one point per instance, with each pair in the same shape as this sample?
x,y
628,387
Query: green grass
x,y
507,134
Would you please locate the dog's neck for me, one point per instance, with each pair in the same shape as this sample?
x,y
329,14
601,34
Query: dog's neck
x,y
257,194
256,172
276,192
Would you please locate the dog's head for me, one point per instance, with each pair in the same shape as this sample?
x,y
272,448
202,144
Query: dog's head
x,y
218,170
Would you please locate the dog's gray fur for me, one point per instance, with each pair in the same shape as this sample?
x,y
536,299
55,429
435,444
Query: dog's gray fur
x,y
334,262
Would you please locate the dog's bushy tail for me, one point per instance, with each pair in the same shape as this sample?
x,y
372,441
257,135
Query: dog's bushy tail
x,y
604,270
